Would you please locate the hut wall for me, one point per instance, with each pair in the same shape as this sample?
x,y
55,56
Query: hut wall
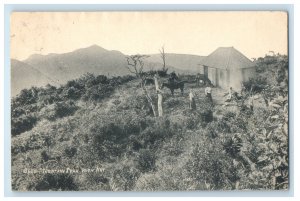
x,y
212,76
230,78
222,77
236,79
200,69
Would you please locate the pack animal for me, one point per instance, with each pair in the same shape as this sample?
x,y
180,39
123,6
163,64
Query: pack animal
x,y
174,85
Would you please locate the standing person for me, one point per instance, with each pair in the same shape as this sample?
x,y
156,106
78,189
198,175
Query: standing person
x,y
198,79
173,77
243,89
208,93
264,95
250,103
192,100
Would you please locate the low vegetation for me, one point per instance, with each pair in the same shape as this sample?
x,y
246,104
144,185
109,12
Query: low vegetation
x,y
98,133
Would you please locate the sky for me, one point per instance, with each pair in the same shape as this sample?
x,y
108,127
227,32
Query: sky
x,y
200,32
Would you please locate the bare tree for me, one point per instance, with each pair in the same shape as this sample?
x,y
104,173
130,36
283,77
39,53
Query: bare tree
x,y
159,96
135,65
163,57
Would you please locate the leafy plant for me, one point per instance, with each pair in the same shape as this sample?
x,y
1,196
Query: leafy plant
x,y
146,160
56,182
70,151
22,124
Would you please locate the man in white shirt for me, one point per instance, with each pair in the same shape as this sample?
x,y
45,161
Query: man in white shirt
x,y
208,93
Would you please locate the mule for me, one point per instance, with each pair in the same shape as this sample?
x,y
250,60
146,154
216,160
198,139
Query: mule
x,y
173,85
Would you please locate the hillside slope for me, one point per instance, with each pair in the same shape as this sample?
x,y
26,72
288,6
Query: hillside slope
x,y
26,76
98,134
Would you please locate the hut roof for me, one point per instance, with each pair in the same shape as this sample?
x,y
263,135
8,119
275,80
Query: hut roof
x,y
227,58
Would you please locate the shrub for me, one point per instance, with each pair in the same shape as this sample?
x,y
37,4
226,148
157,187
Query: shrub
x,y
146,160
211,130
256,84
227,123
59,110
127,78
96,181
23,110
22,124
173,147
101,79
70,151
56,182
150,182
97,92
107,140
207,116
206,110
233,145
156,132
209,165
193,121
110,134
165,179
162,72
228,116
135,143
124,178
17,111
26,97
72,93
171,103
45,156
76,84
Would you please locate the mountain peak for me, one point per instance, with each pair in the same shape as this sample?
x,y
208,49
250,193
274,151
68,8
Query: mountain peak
x,y
35,56
94,47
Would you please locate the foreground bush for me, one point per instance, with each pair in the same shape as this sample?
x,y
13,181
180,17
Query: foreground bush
x,y
124,178
58,110
146,160
56,182
211,168
22,124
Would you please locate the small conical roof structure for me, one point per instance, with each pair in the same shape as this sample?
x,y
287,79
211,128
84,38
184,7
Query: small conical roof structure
x,y
227,58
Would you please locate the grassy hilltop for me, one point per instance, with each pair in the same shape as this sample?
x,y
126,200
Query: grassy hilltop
x,y
98,133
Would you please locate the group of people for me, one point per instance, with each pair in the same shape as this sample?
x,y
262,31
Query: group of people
x,y
231,95
208,95
174,78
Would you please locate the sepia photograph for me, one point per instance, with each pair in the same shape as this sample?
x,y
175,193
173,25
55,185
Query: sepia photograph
x,y
146,101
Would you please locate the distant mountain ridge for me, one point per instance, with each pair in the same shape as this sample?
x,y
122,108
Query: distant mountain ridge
x,y
25,76
185,62
72,65
57,69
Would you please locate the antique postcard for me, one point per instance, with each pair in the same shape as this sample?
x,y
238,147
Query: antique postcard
x,y
149,101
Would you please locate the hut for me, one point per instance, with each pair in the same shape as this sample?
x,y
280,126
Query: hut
x,y
227,67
